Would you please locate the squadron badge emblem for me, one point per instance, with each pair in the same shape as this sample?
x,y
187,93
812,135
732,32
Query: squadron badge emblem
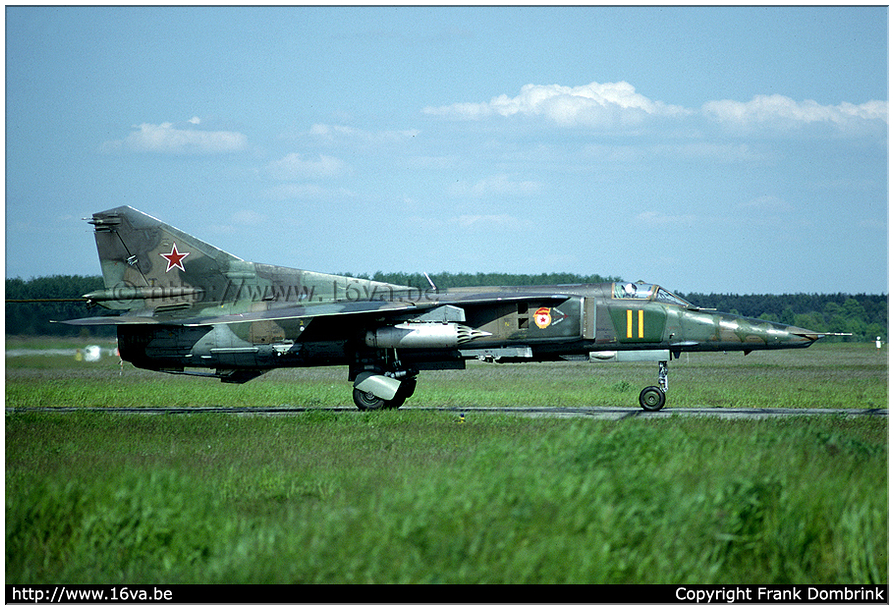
x,y
542,317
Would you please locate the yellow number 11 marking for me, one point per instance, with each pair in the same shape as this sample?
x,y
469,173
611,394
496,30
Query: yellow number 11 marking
x,y
640,328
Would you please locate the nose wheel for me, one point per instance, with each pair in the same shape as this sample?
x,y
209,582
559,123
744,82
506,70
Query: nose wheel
x,y
653,397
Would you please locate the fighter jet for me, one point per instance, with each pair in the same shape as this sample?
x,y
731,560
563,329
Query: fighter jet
x,y
187,307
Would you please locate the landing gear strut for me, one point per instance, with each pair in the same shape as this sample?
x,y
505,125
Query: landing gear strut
x,y
653,397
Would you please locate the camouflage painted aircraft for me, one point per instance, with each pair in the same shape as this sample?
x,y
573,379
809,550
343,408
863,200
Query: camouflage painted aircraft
x,y
187,305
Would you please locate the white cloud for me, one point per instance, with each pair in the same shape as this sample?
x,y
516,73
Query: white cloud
x,y
784,112
238,220
248,217
766,204
696,150
330,133
313,192
470,223
596,104
500,184
652,217
166,138
489,222
618,105
765,212
295,167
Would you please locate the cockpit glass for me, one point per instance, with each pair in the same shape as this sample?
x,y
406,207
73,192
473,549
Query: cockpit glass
x,y
664,296
630,290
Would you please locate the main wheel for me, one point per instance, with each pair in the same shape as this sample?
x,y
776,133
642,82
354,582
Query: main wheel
x,y
367,401
652,398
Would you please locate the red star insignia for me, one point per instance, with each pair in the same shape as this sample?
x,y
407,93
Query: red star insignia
x,y
175,259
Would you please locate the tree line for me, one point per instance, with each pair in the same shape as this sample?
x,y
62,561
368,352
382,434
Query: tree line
x,y
863,315
34,318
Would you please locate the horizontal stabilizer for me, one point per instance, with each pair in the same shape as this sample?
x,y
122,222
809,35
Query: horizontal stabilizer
x,y
129,293
285,313
110,320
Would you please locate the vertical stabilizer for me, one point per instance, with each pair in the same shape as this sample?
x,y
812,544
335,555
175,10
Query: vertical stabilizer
x,y
147,263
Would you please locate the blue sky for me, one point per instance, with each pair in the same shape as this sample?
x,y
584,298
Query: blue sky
x,y
708,149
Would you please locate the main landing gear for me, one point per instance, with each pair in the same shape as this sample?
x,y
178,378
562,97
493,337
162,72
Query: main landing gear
x,y
653,397
367,400
377,388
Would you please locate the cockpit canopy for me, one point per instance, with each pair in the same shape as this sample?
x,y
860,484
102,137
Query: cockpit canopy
x,y
647,292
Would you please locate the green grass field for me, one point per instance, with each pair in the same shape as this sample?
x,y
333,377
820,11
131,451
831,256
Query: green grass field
x,y
416,497
841,375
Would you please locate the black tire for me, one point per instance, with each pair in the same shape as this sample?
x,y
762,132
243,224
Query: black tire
x,y
652,398
367,401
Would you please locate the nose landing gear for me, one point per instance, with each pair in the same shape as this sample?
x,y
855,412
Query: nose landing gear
x,y
653,397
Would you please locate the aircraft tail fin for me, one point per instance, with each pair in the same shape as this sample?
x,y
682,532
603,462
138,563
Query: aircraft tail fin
x,y
147,263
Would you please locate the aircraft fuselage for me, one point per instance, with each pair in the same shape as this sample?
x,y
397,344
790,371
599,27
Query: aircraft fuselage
x,y
522,327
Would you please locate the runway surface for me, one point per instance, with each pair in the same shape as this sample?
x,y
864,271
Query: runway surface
x,y
616,413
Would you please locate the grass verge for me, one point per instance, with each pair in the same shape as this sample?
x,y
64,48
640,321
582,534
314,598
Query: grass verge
x,y
415,497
